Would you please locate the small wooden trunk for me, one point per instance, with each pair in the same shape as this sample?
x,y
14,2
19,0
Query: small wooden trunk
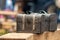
x,y
28,23
36,23
17,36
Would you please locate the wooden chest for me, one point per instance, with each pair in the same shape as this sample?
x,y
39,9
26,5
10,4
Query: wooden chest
x,y
28,23
36,23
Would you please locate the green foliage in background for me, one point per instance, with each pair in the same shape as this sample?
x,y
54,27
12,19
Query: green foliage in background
x,y
3,31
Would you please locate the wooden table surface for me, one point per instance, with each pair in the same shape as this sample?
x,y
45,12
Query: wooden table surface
x,y
16,35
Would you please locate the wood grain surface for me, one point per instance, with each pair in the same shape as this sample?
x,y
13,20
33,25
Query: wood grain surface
x,y
17,36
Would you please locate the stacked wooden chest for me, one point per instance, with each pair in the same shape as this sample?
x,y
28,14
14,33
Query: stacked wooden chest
x,y
36,23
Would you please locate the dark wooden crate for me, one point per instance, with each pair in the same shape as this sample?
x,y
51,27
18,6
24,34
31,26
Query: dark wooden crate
x,y
28,24
36,23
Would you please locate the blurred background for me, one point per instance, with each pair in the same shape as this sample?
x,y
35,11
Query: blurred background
x,y
9,9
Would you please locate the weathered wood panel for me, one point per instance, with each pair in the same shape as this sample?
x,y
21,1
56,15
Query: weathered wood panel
x,y
22,36
28,23
48,36
17,36
37,23
40,36
53,35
